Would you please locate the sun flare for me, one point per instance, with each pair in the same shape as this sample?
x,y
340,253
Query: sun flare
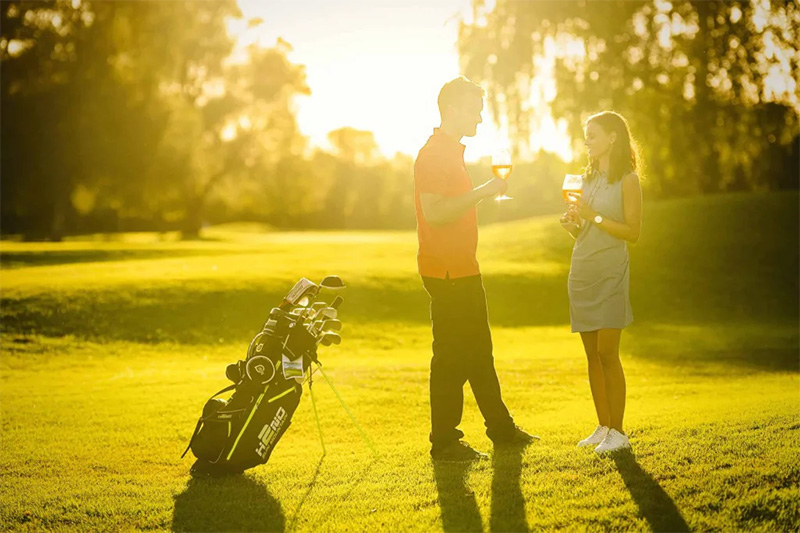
x,y
378,68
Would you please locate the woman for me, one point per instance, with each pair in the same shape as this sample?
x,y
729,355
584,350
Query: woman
x,y
603,220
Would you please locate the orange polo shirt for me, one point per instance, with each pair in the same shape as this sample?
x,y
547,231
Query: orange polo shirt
x,y
447,250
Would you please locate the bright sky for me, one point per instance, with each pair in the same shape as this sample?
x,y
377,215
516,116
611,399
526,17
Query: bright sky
x,y
375,65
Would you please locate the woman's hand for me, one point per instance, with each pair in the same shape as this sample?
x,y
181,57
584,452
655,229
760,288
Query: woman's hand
x,y
582,210
571,222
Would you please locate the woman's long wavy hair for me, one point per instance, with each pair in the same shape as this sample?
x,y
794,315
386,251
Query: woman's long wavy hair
x,y
624,152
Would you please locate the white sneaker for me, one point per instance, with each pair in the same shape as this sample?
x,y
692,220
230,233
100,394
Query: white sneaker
x,y
597,437
613,442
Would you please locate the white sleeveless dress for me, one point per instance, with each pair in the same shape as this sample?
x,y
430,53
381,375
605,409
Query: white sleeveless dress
x,y
599,275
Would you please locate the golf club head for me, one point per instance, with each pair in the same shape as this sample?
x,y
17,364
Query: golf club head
x,y
302,289
326,325
316,306
329,337
332,283
331,325
326,313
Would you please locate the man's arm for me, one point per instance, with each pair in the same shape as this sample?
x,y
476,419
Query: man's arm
x,y
439,209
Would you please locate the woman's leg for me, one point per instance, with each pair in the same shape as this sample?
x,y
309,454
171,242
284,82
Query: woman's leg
x,y
596,378
614,377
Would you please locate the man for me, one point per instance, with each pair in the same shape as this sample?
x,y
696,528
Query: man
x,y
447,229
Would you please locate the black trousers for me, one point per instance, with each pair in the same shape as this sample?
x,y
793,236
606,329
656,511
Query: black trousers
x,y
462,352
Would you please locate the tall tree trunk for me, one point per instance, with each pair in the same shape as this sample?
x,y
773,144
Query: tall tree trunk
x,y
193,221
705,109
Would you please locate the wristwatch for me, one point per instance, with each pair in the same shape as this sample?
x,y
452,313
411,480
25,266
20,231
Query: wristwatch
x,y
598,219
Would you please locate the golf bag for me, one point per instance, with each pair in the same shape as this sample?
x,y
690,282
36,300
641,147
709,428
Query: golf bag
x,y
241,432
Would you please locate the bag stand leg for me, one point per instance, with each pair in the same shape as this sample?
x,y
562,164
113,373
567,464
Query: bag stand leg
x,y
355,422
316,416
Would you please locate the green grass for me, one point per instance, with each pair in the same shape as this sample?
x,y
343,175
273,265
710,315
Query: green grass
x,y
111,346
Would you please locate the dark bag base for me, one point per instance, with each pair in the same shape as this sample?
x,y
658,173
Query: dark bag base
x,y
203,469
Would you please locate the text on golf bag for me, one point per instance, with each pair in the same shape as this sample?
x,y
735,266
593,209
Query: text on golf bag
x,y
269,432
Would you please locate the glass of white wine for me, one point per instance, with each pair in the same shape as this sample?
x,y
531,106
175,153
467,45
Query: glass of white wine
x,y
501,167
572,188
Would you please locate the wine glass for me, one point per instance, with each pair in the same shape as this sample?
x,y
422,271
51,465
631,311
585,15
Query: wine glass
x,y
501,167
572,188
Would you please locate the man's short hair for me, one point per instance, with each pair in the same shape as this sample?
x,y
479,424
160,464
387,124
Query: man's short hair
x,y
453,91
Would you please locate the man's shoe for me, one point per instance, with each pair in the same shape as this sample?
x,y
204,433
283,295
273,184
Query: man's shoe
x,y
595,438
614,441
518,437
457,452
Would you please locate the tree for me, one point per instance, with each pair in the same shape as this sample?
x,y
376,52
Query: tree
x,y
708,86
265,151
55,85
137,107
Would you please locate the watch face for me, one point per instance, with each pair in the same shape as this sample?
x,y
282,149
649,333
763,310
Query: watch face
x,y
598,219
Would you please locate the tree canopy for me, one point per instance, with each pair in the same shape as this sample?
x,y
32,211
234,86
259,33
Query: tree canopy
x,y
136,109
709,87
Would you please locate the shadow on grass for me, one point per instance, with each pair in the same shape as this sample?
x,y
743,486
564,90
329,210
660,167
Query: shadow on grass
x,y
205,311
237,503
9,260
696,322
508,505
654,504
311,484
193,313
456,501
754,345
335,505
179,310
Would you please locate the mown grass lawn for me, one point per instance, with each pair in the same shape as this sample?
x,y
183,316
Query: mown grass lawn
x,y
110,347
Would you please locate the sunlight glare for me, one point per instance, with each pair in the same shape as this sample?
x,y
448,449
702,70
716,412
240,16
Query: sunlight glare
x,y
375,67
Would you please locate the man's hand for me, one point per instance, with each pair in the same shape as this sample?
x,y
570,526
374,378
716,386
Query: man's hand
x,y
438,209
494,187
